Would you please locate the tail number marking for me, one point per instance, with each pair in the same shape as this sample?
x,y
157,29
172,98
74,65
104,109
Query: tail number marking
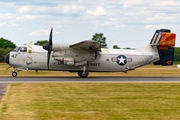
x,y
163,48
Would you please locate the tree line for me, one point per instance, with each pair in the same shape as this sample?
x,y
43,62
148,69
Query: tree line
x,y
6,46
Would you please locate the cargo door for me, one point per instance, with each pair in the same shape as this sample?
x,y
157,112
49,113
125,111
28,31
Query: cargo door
x,y
35,59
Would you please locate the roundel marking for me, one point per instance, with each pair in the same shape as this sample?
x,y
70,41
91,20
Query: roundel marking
x,y
121,60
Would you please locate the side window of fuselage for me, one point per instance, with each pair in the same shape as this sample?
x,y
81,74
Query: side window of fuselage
x,y
23,49
17,49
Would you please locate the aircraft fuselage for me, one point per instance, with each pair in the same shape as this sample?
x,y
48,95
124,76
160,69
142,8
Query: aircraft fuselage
x,y
108,60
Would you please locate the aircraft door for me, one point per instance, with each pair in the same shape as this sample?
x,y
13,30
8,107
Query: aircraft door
x,y
36,59
22,56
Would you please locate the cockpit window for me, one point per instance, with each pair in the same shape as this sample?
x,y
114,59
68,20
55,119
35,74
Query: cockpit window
x,y
17,49
23,49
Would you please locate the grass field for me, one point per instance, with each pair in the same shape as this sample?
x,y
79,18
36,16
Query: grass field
x,y
56,101
148,70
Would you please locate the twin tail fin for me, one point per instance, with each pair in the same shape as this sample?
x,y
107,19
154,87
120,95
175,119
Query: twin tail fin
x,y
165,42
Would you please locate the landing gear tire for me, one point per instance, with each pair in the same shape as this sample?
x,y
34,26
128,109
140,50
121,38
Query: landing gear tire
x,y
14,74
80,73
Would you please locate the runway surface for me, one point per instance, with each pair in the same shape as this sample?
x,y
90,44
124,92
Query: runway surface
x,y
3,88
89,79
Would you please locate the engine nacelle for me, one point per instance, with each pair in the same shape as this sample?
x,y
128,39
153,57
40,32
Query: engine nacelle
x,y
59,46
74,57
65,61
57,54
59,58
80,63
68,61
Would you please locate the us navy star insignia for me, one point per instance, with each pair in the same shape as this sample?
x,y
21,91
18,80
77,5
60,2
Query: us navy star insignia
x,y
121,60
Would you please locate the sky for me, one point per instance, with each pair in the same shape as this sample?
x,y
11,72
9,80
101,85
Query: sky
x,y
126,23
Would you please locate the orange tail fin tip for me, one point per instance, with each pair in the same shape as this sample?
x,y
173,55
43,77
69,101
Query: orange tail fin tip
x,y
167,39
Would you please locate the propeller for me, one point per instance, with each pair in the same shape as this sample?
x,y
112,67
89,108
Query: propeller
x,y
48,47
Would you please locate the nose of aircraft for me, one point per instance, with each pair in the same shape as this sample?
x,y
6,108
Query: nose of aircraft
x,y
7,58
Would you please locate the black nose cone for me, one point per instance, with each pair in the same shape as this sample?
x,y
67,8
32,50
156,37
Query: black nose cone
x,y
7,58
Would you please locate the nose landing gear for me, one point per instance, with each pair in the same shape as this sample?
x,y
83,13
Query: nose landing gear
x,y
14,73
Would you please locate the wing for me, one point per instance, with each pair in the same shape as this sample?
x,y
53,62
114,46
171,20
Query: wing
x,y
87,44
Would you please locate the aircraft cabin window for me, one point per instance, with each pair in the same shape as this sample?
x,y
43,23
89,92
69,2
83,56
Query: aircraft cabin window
x,y
23,49
17,49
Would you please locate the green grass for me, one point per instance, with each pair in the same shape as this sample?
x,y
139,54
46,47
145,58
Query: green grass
x,y
176,62
55,101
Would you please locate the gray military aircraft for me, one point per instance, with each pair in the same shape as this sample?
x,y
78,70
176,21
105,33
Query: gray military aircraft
x,y
87,56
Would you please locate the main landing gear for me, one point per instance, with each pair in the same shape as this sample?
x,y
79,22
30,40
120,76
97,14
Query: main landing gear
x,y
83,73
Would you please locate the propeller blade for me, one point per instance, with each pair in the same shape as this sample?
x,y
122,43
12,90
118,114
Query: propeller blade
x,y
50,37
50,48
49,55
